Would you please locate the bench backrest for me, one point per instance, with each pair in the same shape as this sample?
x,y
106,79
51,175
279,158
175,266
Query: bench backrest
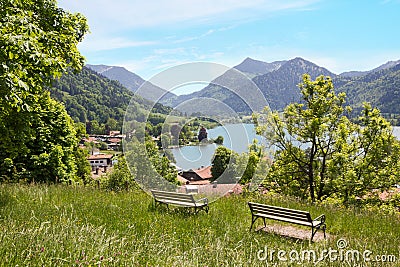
x,y
172,196
262,209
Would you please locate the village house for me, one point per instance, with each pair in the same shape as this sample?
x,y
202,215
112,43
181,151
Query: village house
x,y
100,160
196,177
113,143
115,133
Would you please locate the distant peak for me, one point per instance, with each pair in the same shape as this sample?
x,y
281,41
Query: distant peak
x,y
249,59
300,59
257,67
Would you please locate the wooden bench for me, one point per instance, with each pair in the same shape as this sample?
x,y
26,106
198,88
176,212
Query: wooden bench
x,y
179,199
286,215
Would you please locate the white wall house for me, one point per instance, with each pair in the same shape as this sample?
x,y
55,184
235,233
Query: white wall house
x,y
100,160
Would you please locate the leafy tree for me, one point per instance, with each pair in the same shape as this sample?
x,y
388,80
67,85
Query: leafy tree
x,y
219,140
252,166
223,165
369,160
164,141
321,153
147,165
247,163
83,168
120,178
38,42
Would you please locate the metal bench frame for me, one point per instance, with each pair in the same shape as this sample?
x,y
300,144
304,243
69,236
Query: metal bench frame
x,y
179,199
286,215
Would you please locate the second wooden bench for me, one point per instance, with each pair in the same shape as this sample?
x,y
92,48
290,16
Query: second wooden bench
x,y
180,199
286,215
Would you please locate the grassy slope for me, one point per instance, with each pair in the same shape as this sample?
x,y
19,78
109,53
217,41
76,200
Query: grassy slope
x,y
57,225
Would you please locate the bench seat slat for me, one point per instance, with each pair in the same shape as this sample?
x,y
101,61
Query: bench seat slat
x,y
282,219
181,203
298,217
172,198
256,206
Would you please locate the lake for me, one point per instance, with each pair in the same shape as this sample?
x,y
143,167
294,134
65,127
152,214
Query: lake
x,y
236,137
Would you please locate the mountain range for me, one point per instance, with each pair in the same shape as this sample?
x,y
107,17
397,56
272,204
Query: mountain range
x,y
278,82
132,81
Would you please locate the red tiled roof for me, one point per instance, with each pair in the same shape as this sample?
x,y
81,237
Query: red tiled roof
x,y
114,140
90,139
182,179
204,173
115,132
202,182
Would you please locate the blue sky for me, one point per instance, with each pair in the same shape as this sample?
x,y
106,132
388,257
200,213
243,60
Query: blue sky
x,y
147,37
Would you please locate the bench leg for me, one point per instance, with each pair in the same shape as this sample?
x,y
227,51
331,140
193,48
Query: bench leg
x,y
313,233
314,230
253,219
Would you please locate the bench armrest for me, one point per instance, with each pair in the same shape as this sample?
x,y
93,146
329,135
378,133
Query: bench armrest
x,y
320,218
204,200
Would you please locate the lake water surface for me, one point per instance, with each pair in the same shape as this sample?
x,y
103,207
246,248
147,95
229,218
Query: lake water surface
x,y
237,137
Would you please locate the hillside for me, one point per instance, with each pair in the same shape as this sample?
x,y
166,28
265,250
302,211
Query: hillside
x,y
381,88
353,74
90,97
131,81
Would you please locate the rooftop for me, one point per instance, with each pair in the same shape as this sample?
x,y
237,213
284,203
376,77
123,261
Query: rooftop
x,y
101,156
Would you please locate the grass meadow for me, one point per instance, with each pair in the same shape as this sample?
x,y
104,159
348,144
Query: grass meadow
x,y
81,226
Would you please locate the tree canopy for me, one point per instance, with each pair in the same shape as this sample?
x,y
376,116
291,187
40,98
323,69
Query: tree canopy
x,y
38,42
322,154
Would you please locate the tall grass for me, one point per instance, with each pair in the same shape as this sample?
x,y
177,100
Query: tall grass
x,y
67,226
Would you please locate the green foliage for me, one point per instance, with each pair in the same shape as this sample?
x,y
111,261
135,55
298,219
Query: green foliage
x,y
230,167
322,154
379,88
149,168
45,147
38,42
252,167
223,165
120,178
369,160
250,161
83,169
97,101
